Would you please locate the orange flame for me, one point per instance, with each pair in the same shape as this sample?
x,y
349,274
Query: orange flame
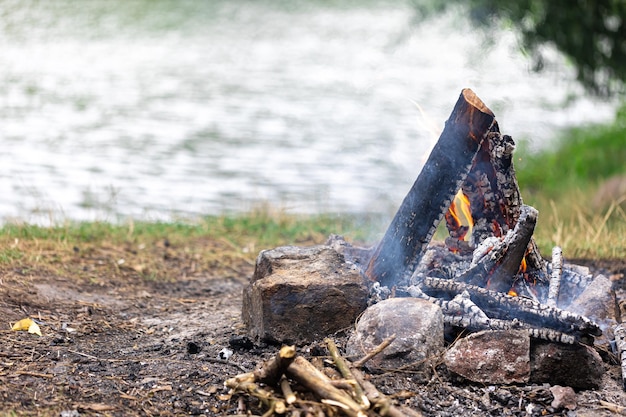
x,y
512,293
523,266
460,210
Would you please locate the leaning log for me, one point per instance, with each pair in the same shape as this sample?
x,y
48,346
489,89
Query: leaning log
x,y
400,250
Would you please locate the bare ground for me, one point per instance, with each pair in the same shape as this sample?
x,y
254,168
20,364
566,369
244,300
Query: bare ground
x,y
116,342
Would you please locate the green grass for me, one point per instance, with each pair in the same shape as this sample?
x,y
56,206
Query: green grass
x,y
561,182
580,158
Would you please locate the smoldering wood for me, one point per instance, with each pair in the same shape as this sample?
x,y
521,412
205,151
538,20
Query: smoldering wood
x,y
499,306
498,268
462,312
395,257
495,199
555,276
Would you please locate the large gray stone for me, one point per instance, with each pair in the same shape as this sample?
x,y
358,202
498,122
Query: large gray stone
x,y
418,326
298,295
491,357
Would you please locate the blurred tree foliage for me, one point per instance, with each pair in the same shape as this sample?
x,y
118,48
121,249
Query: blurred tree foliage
x,y
591,33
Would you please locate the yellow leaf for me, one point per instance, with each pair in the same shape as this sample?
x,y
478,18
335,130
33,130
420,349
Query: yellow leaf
x,y
23,324
27,324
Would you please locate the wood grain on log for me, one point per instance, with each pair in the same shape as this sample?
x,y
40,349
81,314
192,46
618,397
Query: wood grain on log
x,y
400,250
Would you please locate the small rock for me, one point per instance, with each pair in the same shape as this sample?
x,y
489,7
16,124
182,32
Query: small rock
x,y
576,366
225,354
491,357
564,397
417,324
241,342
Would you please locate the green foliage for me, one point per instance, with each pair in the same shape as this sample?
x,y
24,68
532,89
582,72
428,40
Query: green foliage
x,y
582,157
590,33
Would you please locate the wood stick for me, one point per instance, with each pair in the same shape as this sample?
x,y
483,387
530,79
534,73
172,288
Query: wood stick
x,y
311,378
555,276
270,372
285,387
378,349
344,368
396,256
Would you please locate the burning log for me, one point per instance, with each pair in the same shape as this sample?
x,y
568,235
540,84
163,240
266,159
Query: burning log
x,y
493,197
394,259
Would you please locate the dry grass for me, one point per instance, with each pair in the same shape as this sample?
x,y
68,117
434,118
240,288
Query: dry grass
x,y
582,231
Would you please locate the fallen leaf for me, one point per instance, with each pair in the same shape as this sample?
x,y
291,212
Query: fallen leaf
x,y
27,324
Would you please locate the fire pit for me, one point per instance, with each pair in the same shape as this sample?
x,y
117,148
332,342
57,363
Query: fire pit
x,y
488,278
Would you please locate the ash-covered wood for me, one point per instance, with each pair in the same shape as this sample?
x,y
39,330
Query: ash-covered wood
x,y
498,268
620,345
478,308
396,256
555,276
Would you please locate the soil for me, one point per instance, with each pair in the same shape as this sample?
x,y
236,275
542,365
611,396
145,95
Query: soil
x,y
116,342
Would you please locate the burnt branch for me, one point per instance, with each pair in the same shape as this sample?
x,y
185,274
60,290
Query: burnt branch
x,y
620,344
497,269
396,256
481,306
555,276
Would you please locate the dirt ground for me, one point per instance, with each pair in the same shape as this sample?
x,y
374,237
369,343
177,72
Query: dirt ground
x,y
118,343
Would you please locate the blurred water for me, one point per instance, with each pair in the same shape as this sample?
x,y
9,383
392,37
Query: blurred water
x,y
160,109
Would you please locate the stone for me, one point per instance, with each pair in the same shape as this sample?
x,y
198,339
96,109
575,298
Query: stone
x,y
298,295
564,397
577,366
418,326
597,301
491,357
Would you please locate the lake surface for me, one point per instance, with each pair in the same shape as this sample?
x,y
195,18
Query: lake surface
x,y
167,109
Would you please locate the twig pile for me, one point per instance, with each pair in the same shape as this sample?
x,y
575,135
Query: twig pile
x,y
290,384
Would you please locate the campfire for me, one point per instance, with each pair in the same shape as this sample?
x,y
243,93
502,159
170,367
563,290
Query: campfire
x,y
487,280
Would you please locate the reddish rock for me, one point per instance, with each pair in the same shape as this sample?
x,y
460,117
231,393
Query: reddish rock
x,y
418,326
564,397
491,357
298,295
576,366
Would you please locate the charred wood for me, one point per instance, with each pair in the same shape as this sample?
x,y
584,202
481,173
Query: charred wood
x,y
497,269
496,305
555,276
462,312
396,256
620,345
